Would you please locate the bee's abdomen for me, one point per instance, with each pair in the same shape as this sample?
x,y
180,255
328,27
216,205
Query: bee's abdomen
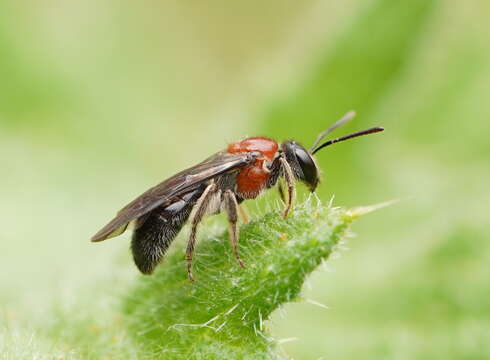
x,y
155,232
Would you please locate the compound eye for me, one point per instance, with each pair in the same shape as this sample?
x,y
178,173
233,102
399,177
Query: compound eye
x,y
308,167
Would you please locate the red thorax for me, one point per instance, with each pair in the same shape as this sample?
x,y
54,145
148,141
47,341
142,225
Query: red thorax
x,y
253,179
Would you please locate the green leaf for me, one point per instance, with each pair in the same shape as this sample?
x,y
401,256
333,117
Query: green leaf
x,y
222,315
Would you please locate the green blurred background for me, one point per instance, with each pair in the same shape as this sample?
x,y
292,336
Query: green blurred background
x,y
100,100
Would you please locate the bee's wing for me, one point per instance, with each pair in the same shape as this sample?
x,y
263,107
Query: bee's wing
x,y
165,192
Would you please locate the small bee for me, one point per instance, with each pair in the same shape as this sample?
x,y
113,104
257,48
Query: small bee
x,y
220,183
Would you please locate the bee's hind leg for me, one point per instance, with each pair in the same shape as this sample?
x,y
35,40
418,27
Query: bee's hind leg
x,y
201,207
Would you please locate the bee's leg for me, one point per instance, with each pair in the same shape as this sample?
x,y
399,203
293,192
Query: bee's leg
x,y
232,210
289,177
201,207
276,172
281,191
243,214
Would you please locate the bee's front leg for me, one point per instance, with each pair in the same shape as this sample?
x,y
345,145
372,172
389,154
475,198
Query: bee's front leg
x,y
287,172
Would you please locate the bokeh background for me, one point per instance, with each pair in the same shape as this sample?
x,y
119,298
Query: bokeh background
x,y
100,100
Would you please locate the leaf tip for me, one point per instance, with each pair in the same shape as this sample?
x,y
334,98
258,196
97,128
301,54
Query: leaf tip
x,y
359,211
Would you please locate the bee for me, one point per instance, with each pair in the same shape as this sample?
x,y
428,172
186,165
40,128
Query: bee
x,y
219,183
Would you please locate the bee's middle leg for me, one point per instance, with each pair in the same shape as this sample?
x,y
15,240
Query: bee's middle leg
x,y
243,214
232,209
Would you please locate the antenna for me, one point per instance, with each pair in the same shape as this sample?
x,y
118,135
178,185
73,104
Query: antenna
x,y
347,137
347,117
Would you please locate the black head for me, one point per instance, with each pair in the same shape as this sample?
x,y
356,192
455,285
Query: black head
x,y
302,163
301,160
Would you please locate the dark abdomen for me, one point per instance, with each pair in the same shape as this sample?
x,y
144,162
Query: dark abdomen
x,y
155,232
